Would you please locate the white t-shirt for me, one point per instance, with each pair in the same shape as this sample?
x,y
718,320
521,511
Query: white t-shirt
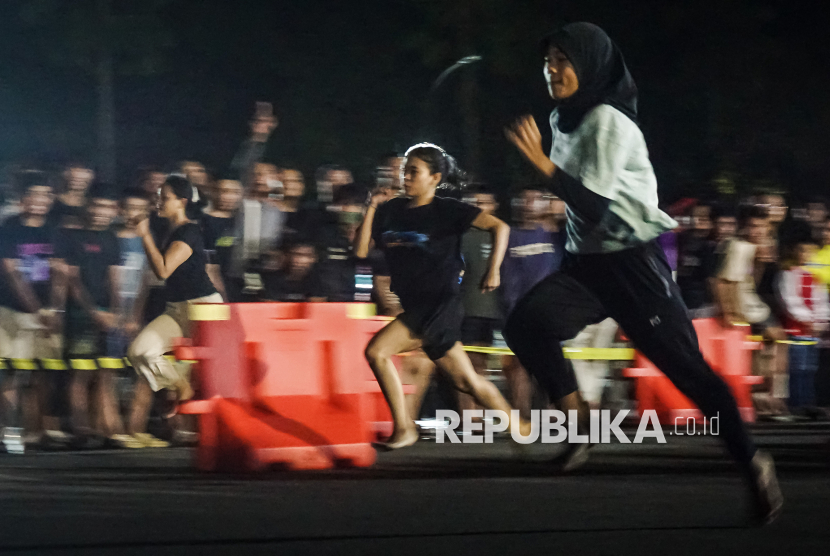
x,y
739,266
607,154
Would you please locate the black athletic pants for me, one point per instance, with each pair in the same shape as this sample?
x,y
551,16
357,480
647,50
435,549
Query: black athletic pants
x,y
635,288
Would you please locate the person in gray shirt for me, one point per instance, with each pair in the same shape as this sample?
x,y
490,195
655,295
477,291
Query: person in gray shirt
x,y
599,166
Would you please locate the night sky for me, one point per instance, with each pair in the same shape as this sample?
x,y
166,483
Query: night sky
x,y
732,94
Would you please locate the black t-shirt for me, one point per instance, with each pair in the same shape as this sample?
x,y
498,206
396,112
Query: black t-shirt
x,y
337,266
219,236
94,252
306,222
278,287
32,247
190,280
695,265
422,246
66,215
344,277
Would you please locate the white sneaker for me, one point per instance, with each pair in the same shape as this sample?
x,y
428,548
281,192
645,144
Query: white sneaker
x,y
13,440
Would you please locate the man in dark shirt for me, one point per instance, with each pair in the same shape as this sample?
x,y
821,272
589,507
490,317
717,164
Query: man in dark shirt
x,y
302,217
32,293
68,209
344,277
94,257
696,262
220,235
298,280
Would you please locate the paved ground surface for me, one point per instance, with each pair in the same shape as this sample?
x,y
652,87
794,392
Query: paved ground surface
x,y
679,498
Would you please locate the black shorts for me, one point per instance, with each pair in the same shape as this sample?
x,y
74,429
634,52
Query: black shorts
x,y
478,330
437,325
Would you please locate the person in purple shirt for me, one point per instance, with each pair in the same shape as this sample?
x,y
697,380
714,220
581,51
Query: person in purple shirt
x,y
534,251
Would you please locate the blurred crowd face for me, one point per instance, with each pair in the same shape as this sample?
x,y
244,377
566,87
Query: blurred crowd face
x,y
101,213
293,183
152,182
228,195
816,213
264,177
531,206
418,179
777,208
349,218
300,260
725,227
168,204
37,201
484,201
78,178
390,173
560,75
331,180
757,230
134,210
196,174
701,220
340,177
825,235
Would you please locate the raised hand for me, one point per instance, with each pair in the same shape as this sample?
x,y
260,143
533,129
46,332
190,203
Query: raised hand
x,y
381,195
525,135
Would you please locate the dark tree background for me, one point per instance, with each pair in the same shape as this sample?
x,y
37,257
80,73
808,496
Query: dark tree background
x,y
732,92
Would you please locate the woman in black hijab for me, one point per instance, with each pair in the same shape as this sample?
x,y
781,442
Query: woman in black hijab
x,y
613,267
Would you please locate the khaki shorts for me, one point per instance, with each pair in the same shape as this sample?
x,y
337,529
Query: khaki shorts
x,y
22,336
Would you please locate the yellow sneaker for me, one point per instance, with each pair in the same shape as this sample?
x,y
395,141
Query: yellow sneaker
x,y
150,441
126,441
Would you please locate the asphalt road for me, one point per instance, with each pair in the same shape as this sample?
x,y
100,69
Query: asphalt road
x,y
679,498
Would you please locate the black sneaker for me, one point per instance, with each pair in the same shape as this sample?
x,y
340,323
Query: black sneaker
x,y
767,499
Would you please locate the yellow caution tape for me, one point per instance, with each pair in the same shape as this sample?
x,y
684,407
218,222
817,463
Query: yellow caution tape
x,y
789,342
209,311
356,311
83,364
110,363
24,364
53,364
600,354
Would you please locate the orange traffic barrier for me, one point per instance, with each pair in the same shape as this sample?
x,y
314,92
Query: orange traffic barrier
x,y
729,355
281,383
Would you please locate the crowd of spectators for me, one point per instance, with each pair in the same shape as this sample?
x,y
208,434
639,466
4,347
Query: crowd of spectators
x,y
75,283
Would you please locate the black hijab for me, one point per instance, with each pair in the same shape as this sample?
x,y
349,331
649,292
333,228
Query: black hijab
x,y
601,70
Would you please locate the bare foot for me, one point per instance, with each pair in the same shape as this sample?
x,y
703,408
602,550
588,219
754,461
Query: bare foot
x,y
398,440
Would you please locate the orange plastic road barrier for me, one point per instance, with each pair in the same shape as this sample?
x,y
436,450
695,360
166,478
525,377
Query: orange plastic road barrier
x,y
729,355
282,383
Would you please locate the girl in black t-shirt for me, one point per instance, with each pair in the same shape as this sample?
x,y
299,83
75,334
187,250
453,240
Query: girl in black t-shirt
x,y
181,263
420,235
